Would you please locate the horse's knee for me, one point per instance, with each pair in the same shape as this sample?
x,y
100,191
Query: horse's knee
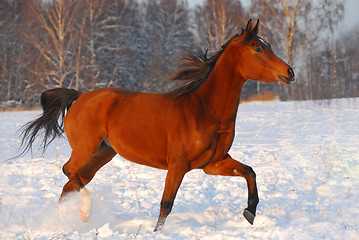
x,y
244,171
248,172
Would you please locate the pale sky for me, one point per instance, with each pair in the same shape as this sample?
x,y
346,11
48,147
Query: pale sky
x,y
351,17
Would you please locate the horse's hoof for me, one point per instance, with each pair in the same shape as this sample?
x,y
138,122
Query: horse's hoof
x,y
249,216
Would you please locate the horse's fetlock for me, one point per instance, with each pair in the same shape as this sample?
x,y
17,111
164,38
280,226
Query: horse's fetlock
x,y
253,201
166,208
166,205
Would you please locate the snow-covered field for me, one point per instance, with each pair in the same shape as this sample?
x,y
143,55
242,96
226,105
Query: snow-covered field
x,y
305,154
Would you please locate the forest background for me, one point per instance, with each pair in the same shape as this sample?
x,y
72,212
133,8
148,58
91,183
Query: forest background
x,y
88,44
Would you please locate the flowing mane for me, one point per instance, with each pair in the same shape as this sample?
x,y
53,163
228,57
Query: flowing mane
x,y
195,69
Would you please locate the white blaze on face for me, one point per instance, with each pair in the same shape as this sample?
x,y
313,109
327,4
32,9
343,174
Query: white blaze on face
x,y
86,201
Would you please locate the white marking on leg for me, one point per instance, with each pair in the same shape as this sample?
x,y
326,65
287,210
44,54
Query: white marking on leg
x,y
86,201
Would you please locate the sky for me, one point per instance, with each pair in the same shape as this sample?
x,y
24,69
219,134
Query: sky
x,y
351,17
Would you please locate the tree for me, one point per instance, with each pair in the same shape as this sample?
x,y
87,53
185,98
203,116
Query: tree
x,y
54,37
293,25
335,68
348,54
219,20
111,41
12,62
166,33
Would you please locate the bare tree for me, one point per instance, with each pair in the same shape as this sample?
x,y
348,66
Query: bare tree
x,y
12,62
294,25
348,70
54,40
86,44
109,39
167,34
336,66
218,20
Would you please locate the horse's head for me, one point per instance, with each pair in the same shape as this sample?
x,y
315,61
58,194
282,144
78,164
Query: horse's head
x,y
257,59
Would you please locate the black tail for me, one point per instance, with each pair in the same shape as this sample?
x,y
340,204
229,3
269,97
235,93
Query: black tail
x,y
54,103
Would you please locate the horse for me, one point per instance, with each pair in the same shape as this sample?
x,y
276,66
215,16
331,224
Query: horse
x,y
191,127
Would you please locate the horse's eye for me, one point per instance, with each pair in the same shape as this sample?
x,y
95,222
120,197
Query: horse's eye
x,y
258,49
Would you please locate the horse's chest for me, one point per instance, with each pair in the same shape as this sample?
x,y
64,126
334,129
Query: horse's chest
x,y
203,148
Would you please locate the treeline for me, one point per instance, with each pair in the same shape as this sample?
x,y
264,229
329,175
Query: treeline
x,y
88,44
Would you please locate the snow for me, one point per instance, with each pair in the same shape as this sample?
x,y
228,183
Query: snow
x,y
305,154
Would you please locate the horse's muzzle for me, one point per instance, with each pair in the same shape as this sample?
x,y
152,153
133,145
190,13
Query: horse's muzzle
x,y
287,80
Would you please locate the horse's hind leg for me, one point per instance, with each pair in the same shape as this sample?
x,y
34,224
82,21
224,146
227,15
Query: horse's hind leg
x,y
80,169
88,171
231,167
97,161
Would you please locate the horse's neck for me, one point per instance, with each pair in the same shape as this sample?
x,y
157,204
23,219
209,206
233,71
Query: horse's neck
x,y
222,91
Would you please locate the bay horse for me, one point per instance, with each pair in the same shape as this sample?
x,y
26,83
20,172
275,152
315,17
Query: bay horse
x,y
191,127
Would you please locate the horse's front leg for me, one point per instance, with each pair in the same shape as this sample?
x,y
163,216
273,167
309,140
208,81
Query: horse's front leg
x,y
230,167
174,178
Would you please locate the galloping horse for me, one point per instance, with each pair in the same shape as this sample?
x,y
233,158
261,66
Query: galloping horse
x,y
189,128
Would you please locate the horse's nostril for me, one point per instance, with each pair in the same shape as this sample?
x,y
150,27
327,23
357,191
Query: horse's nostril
x,y
290,72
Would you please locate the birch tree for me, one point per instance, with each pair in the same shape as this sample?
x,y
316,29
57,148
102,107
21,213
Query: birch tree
x,y
294,25
219,20
54,39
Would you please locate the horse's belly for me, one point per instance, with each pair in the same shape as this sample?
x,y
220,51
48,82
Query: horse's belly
x,y
140,153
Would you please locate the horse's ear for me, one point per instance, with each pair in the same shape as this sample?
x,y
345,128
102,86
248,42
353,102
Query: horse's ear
x,y
248,33
248,27
256,27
